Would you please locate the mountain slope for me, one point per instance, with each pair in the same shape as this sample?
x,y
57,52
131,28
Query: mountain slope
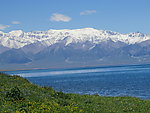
x,y
72,48
14,56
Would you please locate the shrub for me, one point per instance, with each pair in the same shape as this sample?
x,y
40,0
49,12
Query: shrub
x,y
14,94
62,95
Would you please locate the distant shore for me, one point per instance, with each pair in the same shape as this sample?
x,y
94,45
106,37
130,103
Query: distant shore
x,y
88,66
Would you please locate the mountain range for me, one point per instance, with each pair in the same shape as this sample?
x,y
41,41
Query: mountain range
x,y
72,48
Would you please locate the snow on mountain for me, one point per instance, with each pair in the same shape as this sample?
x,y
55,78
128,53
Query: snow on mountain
x,y
72,48
16,33
18,39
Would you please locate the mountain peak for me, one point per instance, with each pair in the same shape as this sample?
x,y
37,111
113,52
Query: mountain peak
x,y
136,34
89,28
1,32
16,32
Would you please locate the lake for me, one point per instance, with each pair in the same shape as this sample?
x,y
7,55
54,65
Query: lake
x,y
129,80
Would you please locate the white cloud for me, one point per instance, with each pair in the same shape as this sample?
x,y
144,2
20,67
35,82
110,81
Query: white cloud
x,y
60,18
15,22
87,12
2,27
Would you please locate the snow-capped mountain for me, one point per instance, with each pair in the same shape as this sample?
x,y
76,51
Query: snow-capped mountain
x,y
18,39
72,48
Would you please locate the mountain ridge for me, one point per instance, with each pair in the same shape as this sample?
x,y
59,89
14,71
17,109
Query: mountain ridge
x,y
72,48
18,39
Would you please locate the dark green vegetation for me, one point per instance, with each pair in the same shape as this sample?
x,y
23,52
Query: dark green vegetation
x,y
17,95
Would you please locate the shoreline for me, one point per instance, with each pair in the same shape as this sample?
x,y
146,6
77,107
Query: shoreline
x,y
88,66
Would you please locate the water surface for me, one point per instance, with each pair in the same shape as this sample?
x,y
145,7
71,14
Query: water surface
x,y
131,80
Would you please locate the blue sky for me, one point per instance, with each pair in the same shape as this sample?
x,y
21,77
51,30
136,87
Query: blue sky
x,y
117,15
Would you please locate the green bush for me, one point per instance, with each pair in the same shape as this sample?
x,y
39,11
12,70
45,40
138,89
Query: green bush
x,y
14,94
62,95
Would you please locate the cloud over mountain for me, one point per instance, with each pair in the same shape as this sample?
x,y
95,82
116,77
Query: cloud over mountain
x,y
15,22
60,17
2,27
87,12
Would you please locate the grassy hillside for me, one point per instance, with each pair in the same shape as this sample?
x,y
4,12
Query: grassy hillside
x,y
17,95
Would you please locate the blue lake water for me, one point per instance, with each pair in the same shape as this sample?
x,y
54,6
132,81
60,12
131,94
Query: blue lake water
x,y
131,80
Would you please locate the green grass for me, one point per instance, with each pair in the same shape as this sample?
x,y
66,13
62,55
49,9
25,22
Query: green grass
x,y
18,95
